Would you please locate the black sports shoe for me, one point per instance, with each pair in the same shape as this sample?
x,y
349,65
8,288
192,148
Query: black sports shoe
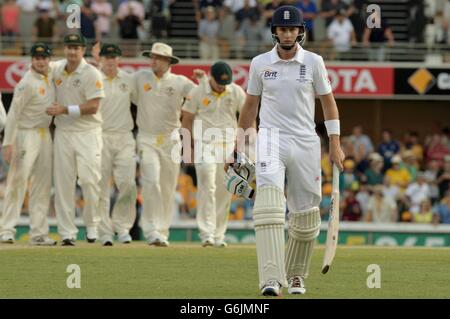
x,y
68,242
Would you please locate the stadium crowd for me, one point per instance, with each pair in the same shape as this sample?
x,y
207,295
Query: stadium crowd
x,y
222,24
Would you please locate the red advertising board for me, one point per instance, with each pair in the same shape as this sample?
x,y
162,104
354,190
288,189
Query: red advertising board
x,y
347,81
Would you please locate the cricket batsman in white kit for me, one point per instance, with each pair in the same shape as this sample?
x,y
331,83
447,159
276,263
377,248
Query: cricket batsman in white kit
x,y
78,139
27,147
213,104
160,97
119,148
285,81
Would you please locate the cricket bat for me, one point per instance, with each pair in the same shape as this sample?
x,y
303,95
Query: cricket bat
x,y
333,224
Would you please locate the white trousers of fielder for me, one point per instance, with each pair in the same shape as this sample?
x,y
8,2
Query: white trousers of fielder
x,y
31,162
159,175
118,167
77,154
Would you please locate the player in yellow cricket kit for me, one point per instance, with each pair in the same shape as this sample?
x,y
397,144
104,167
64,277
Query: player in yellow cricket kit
x,y
27,147
2,114
285,81
78,139
213,106
119,148
160,97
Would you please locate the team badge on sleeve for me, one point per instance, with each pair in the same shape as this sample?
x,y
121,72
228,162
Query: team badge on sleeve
x,y
98,85
206,102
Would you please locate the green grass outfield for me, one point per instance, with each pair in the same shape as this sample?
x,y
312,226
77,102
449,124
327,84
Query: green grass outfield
x,y
190,271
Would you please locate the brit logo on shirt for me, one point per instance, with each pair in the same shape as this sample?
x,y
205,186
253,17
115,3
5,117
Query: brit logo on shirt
x,y
302,73
270,75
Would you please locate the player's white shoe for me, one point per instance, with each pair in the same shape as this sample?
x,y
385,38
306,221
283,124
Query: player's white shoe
x,y
42,241
220,244
7,239
107,240
271,288
207,242
91,234
125,238
296,285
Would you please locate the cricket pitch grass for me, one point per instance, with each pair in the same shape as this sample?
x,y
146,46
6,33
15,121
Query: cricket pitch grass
x,y
189,271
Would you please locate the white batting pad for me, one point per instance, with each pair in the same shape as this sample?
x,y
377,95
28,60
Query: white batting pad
x,y
269,220
304,227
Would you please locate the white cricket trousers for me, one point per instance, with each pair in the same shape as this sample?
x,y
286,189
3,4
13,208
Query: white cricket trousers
x,y
213,201
119,163
159,175
31,159
77,154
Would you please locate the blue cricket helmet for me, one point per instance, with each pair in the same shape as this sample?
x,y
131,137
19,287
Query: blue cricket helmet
x,y
288,16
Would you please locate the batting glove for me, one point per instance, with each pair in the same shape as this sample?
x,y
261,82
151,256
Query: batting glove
x,y
236,184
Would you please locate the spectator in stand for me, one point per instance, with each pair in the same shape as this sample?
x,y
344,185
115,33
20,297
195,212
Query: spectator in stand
x,y
309,9
350,180
249,29
357,15
416,21
158,14
437,149
352,209
10,17
388,148
375,38
127,6
437,31
411,142
217,4
325,164
227,24
381,209
130,19
208,32
442,210
362,145
88,21
411,164
431,176
374,174
341,33
397,174
425,213
325,204
443,177
330,8
417,192
391,190
363,197
267,13
236,5
44,28
103,10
